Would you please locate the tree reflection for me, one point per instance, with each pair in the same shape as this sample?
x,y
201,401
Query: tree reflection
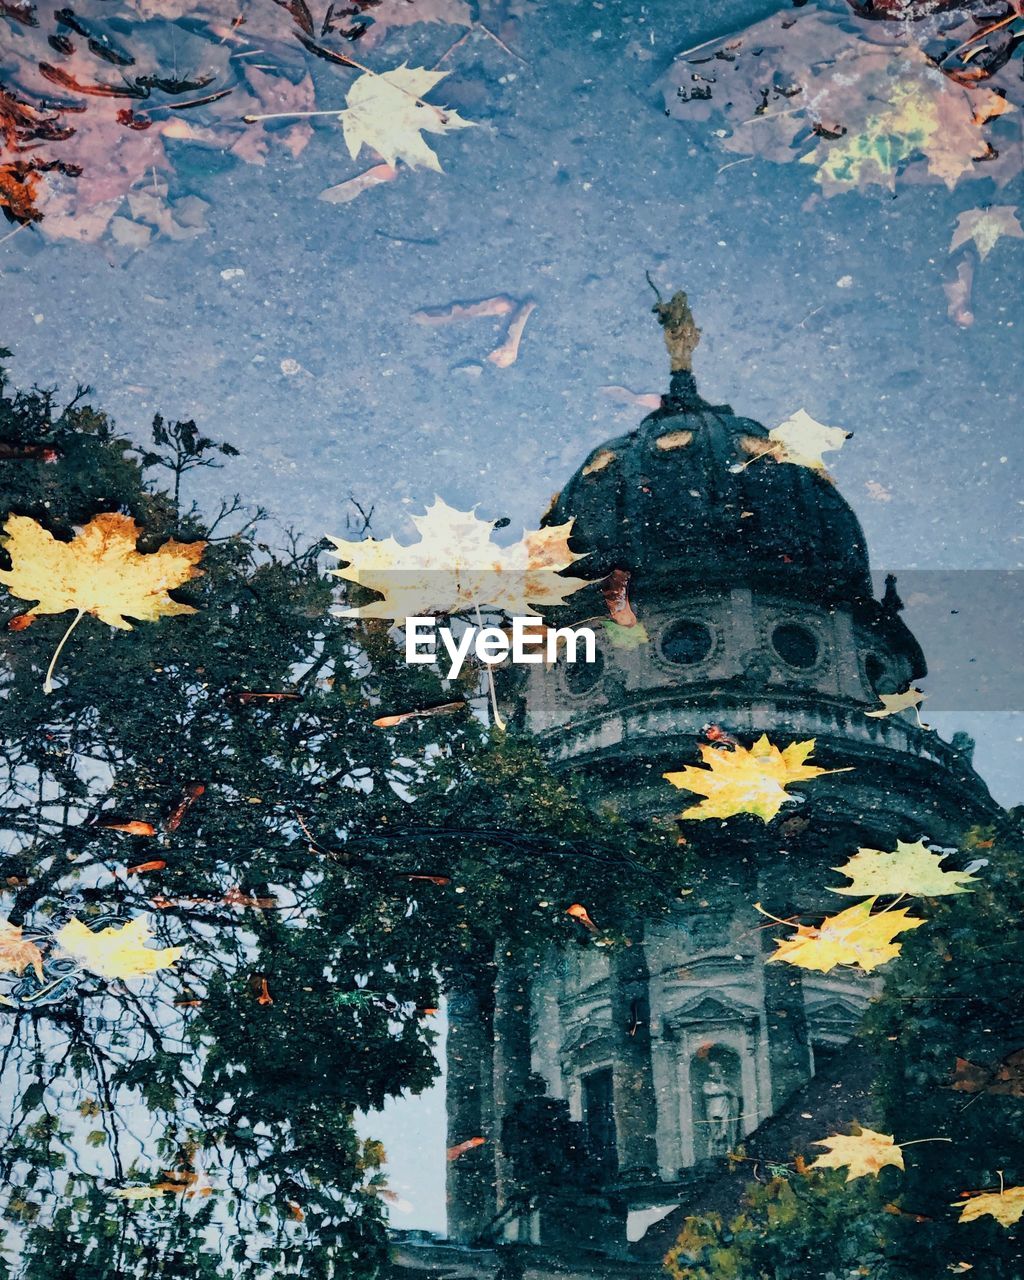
x,y
321,876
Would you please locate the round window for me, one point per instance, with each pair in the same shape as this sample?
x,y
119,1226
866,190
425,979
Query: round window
x,y
687,642
582,676
795,645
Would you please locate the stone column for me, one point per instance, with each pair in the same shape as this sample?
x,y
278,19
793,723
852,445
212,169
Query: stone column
x,y
511,1056
469,1103
789,1057
635,1100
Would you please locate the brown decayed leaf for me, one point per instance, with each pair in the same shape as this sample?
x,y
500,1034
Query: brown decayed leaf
x,y
235,897
192,794
445,709
615,590
154,864
958,294
17,953
129,826
461,1148
1005,1078
180,1182
344,192
498,305
507,352
580,913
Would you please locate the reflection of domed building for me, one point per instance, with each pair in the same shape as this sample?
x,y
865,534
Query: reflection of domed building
x,y
752,584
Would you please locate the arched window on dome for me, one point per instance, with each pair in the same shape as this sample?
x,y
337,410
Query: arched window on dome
x,y
879,677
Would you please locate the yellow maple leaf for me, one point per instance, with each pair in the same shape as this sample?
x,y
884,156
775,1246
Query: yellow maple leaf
x,y
16,953
909,869
802,440
854,937
456,567
894,703
98,572
746,780
1006,1206
859,1153
386,112
115,952
986,227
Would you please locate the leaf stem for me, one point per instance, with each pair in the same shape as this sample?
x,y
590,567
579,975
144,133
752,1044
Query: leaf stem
x,y
763,454
48,682
777,919
498,721
290,115
915,1141
340,111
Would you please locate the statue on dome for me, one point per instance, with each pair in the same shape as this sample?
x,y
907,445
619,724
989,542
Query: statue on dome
x,y
681,332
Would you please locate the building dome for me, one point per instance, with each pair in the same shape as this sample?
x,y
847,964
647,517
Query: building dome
x,y
672,503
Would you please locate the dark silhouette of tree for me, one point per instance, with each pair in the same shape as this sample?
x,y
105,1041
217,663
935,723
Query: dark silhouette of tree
x,y
950,1014
321,876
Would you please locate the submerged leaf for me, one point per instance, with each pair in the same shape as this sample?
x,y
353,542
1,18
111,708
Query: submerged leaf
x,y
986,227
